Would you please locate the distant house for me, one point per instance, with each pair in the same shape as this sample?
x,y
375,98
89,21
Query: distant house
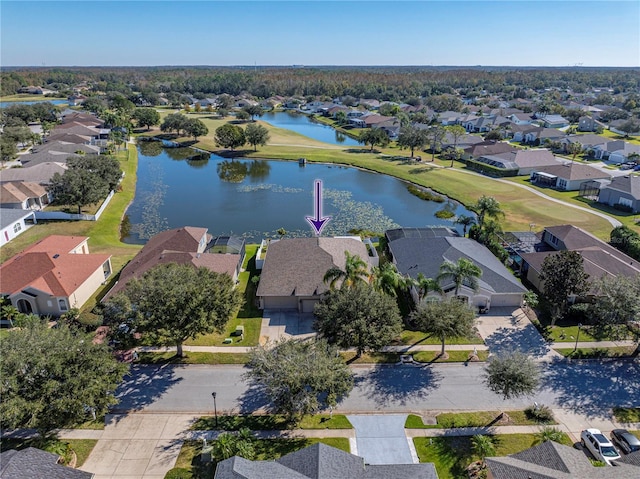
x,y
40,173
518,132
525,161
32,463
566,177
423,250
293,271
520,118
186,245
449,117
588,141
538,136
373,119
551,460
320,461
244,102
53,275
487,148
623,191
599,258
13,223
620,151
23,195
555,121
587,123
76,99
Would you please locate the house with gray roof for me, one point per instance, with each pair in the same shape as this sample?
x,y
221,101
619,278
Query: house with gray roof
x,y
423,250
551,460
320,461
32,463
14,222
623,191
292,276
40,173
525,161
569,176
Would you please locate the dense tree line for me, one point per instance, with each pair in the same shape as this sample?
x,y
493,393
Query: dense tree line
x,y
383,83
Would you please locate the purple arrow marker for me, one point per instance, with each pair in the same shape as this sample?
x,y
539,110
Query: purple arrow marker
x,y
318,221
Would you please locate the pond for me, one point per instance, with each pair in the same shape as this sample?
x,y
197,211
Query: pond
x,y
254,198
302,124
6,104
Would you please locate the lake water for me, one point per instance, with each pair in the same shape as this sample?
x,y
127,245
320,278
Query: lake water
x,y
5,104
254,198
305,126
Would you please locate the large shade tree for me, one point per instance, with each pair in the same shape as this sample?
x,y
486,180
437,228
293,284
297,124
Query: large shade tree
x,y
146,117
512,375
171,303
444,320
562,275
358,317
256,135
412,137
374,137
54,377
300,377
230,136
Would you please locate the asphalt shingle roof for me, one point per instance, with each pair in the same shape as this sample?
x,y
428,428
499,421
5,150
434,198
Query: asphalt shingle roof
x,y
32,463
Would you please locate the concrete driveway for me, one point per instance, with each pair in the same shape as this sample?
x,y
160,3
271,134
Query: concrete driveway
x,y
381,439
279,324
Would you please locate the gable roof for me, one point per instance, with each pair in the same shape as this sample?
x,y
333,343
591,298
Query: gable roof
x,y
574,171
489,148
297,266
48,266
32,463
537,157
19,191
423,250
39,173
320,461
625,184
551,460
9,216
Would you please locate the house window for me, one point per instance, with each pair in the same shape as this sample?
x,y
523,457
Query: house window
x,y
562,184
626,202
62,304
553,240
17,227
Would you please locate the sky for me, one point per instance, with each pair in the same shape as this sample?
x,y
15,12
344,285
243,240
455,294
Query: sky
x,y
320,32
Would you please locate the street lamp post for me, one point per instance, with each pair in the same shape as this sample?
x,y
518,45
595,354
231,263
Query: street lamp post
x,y
577,338
215,408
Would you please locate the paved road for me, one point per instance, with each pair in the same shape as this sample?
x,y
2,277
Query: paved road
x,y
588,387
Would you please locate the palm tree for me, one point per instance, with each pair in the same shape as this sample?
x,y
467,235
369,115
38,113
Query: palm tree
x,y
386,279
355,272
463,271
574,149
483,446
465,221
486,207
549,433
10,312
425,285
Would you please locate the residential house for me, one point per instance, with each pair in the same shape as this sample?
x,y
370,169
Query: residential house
x,y
390,127
67,147
13,223
588,141
449,117
186,245
463,142
623,191
32,463
525,161
518,132
554,121
538,137
520,118
615,125
374,119
23,195
54,275
424,250
599,258
487,148
85,118
551,460
369,103
40,173
568,176
76,99
622,153
320,461
245,102
587,123
293,273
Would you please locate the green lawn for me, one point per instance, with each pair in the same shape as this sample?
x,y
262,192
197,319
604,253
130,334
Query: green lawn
x,y
193,358
471,419
416,338
451,455
271,422
28,97
62,447
370,358
597,353
627,414
453,356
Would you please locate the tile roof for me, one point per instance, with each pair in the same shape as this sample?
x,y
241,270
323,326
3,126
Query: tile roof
x,y
297,266
32,463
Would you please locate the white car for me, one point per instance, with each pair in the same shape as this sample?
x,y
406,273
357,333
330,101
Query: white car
x,y
598,445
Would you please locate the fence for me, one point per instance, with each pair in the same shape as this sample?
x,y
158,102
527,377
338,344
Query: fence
x,y
61,215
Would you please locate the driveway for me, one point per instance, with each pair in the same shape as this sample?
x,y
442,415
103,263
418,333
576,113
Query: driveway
x,y
381,439
279,324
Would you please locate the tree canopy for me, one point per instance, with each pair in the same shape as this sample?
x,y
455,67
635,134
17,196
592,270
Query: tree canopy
x,y
256,135
412,137
512,375
171,303
300,377
53,377
374,137
230,136
563,275
146,117
358,317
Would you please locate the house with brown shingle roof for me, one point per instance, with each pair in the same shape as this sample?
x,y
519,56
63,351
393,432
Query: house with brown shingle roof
x,y
54,275
23,195
292,277
567,176
186,245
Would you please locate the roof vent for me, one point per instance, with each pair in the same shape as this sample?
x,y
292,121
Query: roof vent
x,y
56,256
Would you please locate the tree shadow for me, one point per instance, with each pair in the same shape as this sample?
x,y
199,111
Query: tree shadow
x,y
143,386
253,399
593,387
526,340
422,169
233,153
406,384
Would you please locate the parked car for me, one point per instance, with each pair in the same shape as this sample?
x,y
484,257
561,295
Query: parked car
x,y
599,446
626,441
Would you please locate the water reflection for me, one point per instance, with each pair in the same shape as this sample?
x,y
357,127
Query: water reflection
x,y
232,171
259,170
199,161
151,148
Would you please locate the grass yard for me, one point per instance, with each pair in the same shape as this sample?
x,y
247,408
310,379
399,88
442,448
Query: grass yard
x,y
271,422
451,455
454,356
62,447
471,419
370,358
191,357
627,414
597,353
29,97
416,338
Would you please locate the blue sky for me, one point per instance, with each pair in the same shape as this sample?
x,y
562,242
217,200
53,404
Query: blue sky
x,y
320,32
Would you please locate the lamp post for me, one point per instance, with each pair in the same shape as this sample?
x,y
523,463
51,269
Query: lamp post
x,y
215,408
577,337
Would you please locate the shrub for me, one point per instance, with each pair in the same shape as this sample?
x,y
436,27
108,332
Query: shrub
x,y
89,321
541,414
178,473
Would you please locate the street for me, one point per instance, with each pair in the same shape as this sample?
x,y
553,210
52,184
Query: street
x,y
589,387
